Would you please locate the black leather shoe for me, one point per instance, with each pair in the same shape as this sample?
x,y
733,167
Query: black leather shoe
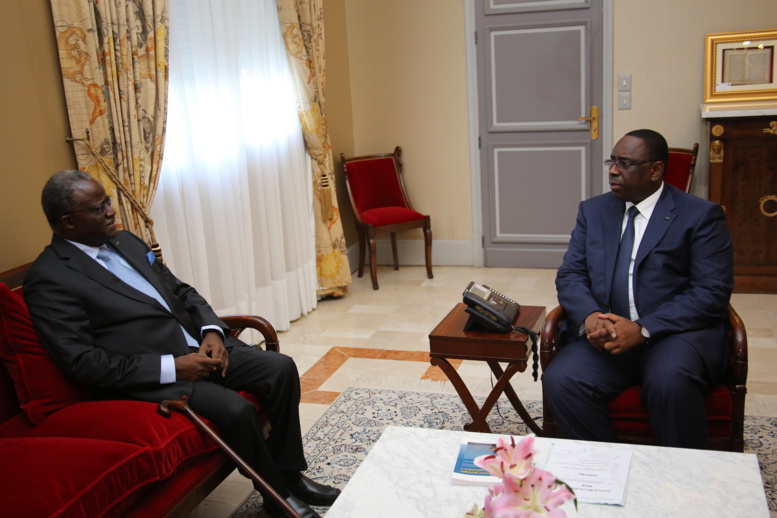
x,y
298,505
309,491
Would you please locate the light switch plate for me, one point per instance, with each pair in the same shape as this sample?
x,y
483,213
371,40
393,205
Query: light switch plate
x,y
624,100
624,82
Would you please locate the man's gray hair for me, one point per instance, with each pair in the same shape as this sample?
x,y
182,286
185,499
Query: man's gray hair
x,y
57,196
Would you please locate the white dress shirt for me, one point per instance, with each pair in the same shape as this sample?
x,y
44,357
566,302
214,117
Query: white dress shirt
x,y
645,208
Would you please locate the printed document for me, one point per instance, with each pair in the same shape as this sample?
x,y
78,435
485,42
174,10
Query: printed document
x,y
597,475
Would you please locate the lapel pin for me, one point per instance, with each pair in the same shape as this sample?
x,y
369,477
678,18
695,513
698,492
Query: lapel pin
x,y
666,218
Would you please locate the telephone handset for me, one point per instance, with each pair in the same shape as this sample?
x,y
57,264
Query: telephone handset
x,y
489,309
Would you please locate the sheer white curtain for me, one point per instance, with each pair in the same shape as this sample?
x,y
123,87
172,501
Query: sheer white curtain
x,y
233,211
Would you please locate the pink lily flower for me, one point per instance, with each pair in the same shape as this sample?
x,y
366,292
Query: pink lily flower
x,y
525,491
541,494
509,457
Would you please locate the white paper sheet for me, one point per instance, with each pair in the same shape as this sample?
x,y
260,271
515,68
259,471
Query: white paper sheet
x,y
598,475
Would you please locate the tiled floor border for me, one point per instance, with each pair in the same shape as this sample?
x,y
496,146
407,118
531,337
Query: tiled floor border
x,y
336,357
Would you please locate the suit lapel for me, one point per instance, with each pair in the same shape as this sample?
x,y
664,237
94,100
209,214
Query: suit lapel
x,y
612,223
138,260
82,263
663,216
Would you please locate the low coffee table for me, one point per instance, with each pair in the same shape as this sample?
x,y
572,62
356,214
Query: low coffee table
x,y
449,340
408,474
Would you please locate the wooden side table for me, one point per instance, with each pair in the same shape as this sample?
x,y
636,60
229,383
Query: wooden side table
x,y
450,341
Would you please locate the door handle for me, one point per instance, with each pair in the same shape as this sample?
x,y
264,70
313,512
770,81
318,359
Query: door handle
x,y
594,119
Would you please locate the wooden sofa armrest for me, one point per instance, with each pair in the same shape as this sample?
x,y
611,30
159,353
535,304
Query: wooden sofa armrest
x,y
550,335
13,278
238,323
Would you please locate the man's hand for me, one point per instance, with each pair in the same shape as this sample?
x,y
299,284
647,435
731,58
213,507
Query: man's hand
x,y
625,333
195,367
211,357
598,330
213,347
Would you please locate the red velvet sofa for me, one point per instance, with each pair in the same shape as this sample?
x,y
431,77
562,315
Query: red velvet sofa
x,y
64,453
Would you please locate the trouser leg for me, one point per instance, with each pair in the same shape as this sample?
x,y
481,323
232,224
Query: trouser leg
x,y
674,385
274,378
579,383
240,426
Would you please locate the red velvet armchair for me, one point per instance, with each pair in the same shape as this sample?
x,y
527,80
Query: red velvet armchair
x,y
381,205
725,404
679,170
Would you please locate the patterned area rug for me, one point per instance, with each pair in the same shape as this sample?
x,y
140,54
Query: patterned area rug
x,y
341,439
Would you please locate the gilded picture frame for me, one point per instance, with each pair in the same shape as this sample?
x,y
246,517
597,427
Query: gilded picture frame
x,y
741,66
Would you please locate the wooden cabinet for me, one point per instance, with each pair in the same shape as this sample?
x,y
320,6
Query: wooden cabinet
x,y
743,178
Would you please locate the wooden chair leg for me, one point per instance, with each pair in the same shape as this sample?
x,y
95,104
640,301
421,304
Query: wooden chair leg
x,y
362,249
373,261
548,422
394,250
428,250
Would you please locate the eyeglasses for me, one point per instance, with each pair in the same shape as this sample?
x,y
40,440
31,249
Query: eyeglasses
x,y
101,209
625,165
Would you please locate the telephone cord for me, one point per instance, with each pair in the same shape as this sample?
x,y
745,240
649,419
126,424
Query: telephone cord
x,y
535,355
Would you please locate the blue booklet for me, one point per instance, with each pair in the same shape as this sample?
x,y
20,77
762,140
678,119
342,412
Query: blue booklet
x,y
465,472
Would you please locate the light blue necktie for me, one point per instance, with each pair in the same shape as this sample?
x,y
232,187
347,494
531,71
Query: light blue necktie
x,y
129,276
619,295
137,281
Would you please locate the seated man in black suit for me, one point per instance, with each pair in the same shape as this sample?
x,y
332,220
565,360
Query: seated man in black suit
x,y
118,321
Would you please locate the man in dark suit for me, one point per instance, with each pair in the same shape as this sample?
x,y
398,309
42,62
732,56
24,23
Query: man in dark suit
x,y
116,320
658,318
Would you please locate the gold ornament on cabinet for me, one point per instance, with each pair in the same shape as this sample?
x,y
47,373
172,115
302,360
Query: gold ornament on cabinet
x,y
716,152
763,201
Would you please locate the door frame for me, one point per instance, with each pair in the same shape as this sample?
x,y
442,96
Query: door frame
x,y
605,115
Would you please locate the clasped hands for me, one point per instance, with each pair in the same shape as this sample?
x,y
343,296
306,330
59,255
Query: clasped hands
x,y
612,333
211,357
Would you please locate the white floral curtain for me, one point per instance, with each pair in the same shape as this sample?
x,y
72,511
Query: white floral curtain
x,y
302,23
113,55
234,205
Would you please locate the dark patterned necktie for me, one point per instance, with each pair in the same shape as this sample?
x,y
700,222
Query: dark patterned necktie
x,y
619,295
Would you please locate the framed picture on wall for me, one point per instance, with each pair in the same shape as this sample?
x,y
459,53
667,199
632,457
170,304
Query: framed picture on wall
x,y
740,66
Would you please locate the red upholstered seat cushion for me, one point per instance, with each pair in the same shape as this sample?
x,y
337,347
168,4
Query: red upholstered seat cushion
x,y
389,216
40,385
97,478
171,441
630,418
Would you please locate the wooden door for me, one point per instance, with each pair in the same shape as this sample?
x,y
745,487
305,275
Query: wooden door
x,y
539,73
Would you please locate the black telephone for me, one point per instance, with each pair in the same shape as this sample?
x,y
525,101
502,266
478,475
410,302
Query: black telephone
x,y
489,309
492,311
